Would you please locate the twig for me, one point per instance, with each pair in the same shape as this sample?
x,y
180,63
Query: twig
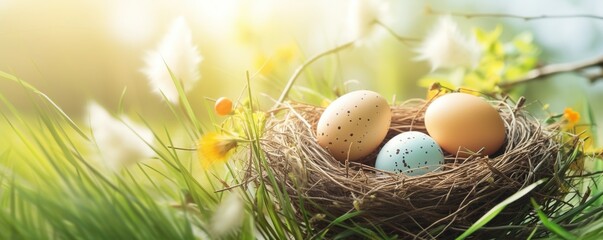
x,y
242,184
429,10
402,39
182,148
594,76
301,68
552,69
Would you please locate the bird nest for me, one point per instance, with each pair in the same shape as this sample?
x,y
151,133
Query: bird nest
x,y
435,205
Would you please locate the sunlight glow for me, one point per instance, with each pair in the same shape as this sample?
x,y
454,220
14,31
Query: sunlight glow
x,y
131,21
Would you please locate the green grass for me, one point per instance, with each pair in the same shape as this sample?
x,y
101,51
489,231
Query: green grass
x,y
52,188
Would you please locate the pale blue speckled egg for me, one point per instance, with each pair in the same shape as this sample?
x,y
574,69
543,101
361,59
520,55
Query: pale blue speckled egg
x,y
412,153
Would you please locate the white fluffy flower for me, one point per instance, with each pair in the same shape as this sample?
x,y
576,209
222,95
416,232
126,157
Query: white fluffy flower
x,y
362,17
447,47
177,52
228,216
121,144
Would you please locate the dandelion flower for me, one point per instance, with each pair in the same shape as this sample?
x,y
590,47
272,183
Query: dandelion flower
x,y
214,148
121,143
229,216
176,53
447,47
571,116
362,17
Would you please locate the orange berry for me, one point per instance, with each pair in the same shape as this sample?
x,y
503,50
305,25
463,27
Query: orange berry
x,y
572,116
223,106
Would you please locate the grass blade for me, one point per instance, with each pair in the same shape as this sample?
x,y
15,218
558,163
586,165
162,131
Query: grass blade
x,y
550,224
593,125
45,97
498,208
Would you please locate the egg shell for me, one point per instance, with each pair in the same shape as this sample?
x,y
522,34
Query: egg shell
x,y
354,125
412,153
466,124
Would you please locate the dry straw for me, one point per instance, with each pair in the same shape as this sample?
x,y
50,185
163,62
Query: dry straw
x,y
439,204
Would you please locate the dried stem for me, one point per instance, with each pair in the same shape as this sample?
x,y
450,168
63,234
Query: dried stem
x,y
305,65
548,70
505,15
336,49
400,38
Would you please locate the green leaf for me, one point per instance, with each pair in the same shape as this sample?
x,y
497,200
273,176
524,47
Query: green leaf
x,y
480,35
579,209
498,208
593,124
523,43
497,49
185,104
345,217
487,39
555,228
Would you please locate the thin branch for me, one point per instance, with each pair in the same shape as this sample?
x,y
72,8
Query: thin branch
x,y
305,65
548,70
594,76
429,10
301,68
402,39
182,148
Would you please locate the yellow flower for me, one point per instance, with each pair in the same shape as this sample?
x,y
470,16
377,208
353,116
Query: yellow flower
x,y
266,64
215,148
571,116
263,64
286,52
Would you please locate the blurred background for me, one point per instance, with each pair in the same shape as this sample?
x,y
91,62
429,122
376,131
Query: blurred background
x,y
78,51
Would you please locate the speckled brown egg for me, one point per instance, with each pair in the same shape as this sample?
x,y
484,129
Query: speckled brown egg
x,y
463,124
354,125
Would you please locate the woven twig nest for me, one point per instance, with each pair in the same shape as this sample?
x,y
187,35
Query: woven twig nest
x,y
432,205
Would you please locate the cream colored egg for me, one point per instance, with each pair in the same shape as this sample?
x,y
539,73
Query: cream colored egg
x,y
464,124
354,125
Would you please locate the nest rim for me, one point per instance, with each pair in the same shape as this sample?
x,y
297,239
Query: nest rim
x,y
446,197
